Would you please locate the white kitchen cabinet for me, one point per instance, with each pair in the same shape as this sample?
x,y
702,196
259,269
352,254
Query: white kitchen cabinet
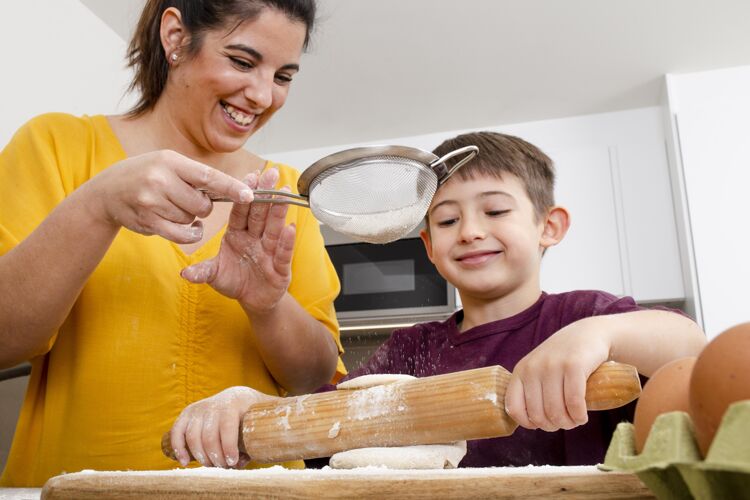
x,y
622,237
613,176
589,256
650,248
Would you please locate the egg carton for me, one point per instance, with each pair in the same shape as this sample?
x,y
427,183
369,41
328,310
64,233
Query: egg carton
x,y
670,464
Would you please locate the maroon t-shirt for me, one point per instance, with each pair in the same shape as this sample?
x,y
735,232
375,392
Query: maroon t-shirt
x,y
434,348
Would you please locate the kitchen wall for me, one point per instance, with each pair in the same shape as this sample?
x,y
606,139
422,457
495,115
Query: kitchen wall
x,y
77,66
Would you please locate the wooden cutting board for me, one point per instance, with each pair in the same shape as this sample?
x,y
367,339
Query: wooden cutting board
x,y
368,483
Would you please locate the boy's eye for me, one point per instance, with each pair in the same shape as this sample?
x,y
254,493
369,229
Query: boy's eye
x,y
445,222
496,213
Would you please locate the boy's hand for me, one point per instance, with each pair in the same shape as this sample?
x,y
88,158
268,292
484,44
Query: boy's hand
x,y
209,428
547,389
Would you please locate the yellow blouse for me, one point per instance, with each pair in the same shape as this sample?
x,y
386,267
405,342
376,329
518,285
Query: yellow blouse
x,y
141,343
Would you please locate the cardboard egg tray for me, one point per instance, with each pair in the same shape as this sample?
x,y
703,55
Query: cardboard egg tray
x,y
670,463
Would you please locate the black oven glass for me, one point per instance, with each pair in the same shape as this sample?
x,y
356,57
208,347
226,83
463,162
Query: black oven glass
x,y
396,275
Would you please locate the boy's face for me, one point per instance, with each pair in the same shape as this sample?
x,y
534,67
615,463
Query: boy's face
x,y
484,236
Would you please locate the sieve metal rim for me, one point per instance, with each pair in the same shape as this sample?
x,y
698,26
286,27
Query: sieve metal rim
x,y
425,158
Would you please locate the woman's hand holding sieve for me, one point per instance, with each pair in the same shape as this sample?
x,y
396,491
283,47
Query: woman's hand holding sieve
x,y
155,194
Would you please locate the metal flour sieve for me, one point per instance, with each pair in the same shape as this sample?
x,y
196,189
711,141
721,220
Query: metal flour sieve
x,y
375,194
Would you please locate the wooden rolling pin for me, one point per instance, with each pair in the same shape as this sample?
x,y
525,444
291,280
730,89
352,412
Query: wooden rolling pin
x,y
439,409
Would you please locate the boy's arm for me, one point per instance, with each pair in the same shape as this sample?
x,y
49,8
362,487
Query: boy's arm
x,y
547,388
649,339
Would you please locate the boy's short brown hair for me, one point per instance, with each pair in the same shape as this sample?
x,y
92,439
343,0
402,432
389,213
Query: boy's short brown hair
x,y
500,154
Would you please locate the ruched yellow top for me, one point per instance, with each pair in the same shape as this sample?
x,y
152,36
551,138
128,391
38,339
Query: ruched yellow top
x,y
141,343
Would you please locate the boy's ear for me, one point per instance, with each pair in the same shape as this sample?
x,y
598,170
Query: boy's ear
x,y
555,227
427,243
172,32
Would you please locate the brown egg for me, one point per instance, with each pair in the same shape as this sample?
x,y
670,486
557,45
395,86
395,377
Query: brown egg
x,y
667,390
721,376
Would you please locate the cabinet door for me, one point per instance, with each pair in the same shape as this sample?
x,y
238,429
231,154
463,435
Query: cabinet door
x,y
651,248
589,257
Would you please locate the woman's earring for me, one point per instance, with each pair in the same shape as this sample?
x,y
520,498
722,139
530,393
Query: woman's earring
x,y
173,57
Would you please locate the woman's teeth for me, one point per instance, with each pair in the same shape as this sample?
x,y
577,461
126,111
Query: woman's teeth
x,y
238,116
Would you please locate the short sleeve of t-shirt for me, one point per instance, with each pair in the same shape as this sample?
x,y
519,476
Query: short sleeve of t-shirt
x,y
31,182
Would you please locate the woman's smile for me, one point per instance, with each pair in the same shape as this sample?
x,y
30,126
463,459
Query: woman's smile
x,y
240,119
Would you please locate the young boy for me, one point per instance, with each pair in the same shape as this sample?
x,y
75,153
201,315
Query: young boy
x,y
486,231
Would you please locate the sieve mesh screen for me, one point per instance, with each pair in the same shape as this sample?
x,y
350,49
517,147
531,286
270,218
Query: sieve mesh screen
x,y
377,199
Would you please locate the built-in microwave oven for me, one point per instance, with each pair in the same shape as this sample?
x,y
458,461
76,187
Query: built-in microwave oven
x,y
388,285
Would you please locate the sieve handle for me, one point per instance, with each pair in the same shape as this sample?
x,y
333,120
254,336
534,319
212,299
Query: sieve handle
x,y
444,172
284,197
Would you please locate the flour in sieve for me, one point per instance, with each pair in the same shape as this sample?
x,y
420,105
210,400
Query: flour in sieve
x,y
378,227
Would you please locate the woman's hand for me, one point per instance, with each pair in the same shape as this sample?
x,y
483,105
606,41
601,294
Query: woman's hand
x,y
157,193
547,389
254,261
209,428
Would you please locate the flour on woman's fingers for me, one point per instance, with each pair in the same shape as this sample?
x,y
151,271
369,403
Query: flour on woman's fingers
x,y
258,214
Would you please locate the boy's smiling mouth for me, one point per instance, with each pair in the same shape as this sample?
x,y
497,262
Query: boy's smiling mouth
x,y
477,257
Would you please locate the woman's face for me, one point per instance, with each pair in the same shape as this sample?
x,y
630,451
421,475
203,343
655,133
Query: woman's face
x,y
236,82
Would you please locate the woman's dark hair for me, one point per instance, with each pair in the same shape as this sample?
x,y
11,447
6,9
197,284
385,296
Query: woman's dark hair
x,y
146,54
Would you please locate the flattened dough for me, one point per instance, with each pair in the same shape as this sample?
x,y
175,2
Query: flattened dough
x,y
430,456
366,381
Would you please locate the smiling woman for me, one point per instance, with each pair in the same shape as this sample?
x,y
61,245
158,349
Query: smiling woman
x,y
246,67
123,331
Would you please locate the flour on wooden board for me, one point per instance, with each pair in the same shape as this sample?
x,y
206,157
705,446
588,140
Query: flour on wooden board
x,y
362,471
